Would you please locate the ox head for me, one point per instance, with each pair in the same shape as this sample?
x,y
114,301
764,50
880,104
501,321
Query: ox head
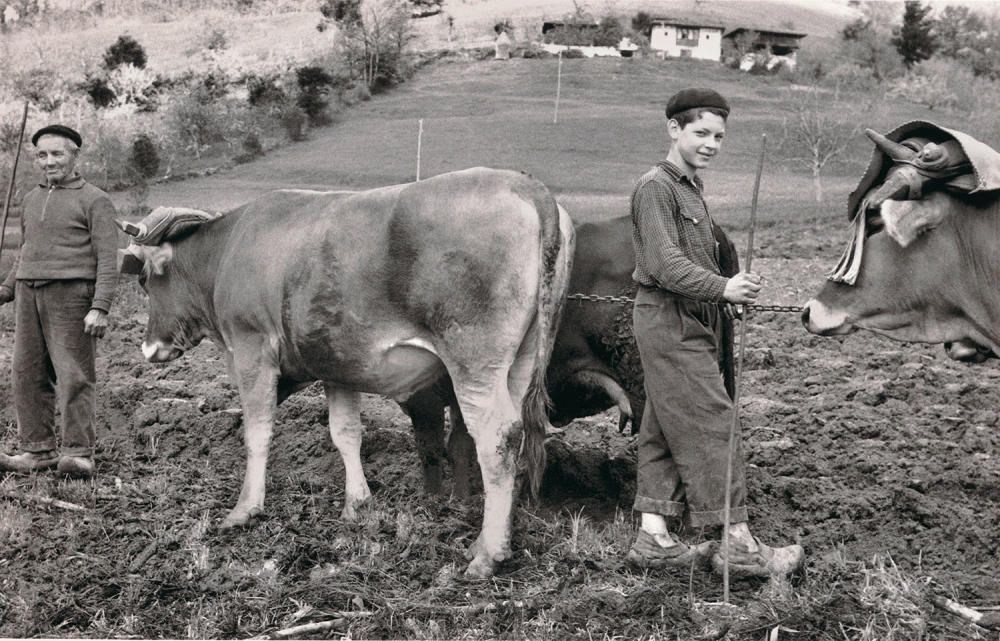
x,y
921,274
175,306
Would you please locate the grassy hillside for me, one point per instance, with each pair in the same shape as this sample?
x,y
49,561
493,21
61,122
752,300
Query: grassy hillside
x,y
610,130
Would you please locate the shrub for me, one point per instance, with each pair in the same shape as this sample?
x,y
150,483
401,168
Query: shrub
x,y
145,160
125,50
195,124
294,120
314,85
358,92
573,53
101,95
251,148
43,87
132,85
211,87
262,92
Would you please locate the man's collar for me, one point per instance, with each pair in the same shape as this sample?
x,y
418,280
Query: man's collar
x,y
75,181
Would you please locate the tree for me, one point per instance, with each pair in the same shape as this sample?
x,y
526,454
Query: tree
x,y
914,40
125,51
642,23
374,45
820,127
609,32
958,29
866,42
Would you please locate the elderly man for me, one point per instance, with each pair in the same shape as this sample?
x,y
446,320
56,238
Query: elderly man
x,y
63,283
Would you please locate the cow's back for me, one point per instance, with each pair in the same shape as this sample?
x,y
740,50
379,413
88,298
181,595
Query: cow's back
x,y
328,272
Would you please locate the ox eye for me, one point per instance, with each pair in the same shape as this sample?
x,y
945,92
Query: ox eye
x,y
874,225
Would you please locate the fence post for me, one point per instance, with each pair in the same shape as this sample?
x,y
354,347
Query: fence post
x,y
555,117
420,138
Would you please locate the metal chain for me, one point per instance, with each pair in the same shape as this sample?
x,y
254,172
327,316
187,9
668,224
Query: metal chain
x,y
624,300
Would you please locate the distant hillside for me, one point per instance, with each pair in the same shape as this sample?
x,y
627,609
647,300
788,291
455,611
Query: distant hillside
x,y
474,19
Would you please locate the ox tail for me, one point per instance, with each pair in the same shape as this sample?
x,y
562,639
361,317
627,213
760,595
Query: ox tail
x,y
556,243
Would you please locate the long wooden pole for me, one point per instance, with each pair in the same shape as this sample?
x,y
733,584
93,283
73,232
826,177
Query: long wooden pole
x,y
13,174
734,427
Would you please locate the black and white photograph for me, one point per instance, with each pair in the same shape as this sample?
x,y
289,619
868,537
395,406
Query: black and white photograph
x,y
603,320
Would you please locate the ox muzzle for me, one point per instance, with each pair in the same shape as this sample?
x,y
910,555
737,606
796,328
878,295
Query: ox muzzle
x,y
820,319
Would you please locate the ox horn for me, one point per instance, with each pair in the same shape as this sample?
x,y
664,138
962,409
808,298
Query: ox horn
x,y
129,228
894,150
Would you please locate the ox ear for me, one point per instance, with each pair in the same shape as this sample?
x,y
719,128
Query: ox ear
x,y
159,256
134,259
907,220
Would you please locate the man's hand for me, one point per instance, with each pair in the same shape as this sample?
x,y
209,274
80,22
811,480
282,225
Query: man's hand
x,y
6,294
742,289
95,322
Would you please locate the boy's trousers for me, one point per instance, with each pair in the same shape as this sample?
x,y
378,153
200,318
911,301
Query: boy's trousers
x,y
684,436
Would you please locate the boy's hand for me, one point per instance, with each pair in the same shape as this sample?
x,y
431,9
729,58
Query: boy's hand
x,y
742,289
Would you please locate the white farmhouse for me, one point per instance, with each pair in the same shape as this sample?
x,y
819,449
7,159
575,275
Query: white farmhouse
x,y
687,38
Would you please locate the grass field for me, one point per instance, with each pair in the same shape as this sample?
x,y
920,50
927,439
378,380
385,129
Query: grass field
x,y
879,458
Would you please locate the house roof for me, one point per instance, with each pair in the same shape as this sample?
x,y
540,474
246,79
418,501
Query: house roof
x,y
687,21
770,32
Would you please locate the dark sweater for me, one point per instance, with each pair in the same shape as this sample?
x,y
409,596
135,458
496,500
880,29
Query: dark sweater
x,y
68,232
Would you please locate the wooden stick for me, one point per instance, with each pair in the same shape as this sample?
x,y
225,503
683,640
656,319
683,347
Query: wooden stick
x,y
340,619
991,620
734,427
43,500
13,174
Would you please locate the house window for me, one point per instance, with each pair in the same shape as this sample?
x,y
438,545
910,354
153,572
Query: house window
x,y
687,37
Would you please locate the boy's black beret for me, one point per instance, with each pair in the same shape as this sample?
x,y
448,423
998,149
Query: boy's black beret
x,y
696,98
58,130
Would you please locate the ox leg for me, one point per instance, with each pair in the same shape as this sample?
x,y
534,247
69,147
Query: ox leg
x,y
257,382
495,426
462,454
345,432
426,410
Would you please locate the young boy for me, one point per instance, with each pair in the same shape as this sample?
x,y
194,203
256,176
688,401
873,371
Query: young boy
x,y
684,436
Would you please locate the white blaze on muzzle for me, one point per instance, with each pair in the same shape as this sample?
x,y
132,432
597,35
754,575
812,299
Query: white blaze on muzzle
x,y
158,352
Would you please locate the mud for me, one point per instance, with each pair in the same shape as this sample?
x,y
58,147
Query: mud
x,y
856,447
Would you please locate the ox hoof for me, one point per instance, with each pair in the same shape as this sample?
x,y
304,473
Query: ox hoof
x,y
350,511
240,517
480,568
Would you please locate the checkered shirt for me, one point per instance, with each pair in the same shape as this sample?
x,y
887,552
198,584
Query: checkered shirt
x,y
672,235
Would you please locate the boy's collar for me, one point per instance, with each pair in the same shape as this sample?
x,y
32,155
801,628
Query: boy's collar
x,y
676,173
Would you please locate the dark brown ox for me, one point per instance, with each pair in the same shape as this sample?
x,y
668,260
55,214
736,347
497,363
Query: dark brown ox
x,y
595,362
928,274
382,291
922,267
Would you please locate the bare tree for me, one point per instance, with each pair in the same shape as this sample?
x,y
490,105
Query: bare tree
x,y
374,43
819,127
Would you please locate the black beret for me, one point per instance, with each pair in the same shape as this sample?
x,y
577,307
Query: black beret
x,y
58,130
697,98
